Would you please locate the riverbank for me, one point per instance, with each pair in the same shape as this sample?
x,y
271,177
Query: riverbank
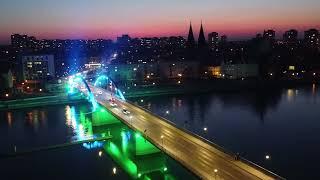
x,y
41,101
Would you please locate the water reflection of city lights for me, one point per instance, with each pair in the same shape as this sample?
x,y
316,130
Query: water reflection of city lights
x,y
290,94
92,145
81,127
313,89
9,118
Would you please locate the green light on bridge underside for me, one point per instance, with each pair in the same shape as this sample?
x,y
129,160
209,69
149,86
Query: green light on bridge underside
x,y
103,117
137,135
132,152
143,146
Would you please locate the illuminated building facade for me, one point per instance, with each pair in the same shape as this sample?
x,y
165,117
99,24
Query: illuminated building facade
x,y
38,67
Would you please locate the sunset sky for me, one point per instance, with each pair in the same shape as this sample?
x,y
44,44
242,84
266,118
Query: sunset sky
x,y
92,19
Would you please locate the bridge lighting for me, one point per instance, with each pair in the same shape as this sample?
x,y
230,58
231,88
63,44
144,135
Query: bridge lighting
x,y
40,90
141,100
165,169
205,128
137,135
100,153
267,157
148,76
179,82
153,83
167,112
114,170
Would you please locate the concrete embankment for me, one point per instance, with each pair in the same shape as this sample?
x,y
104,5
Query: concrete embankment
x,y
40,101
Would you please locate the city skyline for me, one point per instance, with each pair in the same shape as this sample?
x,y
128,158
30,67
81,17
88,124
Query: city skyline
x,y
101,19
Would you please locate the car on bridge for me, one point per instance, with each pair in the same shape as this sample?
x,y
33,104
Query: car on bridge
x,y
113,104
126,112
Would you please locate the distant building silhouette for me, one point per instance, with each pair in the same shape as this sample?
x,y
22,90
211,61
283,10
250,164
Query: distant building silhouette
x,y
224,39
190,40
290,36
213,40
124,40
269,34
201,40
311,38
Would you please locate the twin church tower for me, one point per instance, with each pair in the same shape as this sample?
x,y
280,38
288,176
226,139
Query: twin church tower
x,y
201,39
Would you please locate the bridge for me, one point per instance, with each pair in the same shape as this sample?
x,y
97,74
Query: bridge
x,y
204,158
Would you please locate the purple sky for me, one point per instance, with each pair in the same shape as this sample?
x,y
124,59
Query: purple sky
x,y
110,18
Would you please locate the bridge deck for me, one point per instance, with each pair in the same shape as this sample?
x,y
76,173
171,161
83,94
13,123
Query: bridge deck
x,y
201,157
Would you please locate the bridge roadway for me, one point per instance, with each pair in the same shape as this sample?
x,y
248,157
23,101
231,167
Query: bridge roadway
x,y
198,155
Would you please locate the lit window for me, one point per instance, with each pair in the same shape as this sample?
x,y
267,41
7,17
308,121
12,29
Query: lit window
x,y
291,68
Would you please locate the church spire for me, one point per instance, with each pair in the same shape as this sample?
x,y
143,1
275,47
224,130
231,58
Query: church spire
x,y
190,41
201,39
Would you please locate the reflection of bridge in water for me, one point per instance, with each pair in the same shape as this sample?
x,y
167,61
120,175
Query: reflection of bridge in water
x,y
205,159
